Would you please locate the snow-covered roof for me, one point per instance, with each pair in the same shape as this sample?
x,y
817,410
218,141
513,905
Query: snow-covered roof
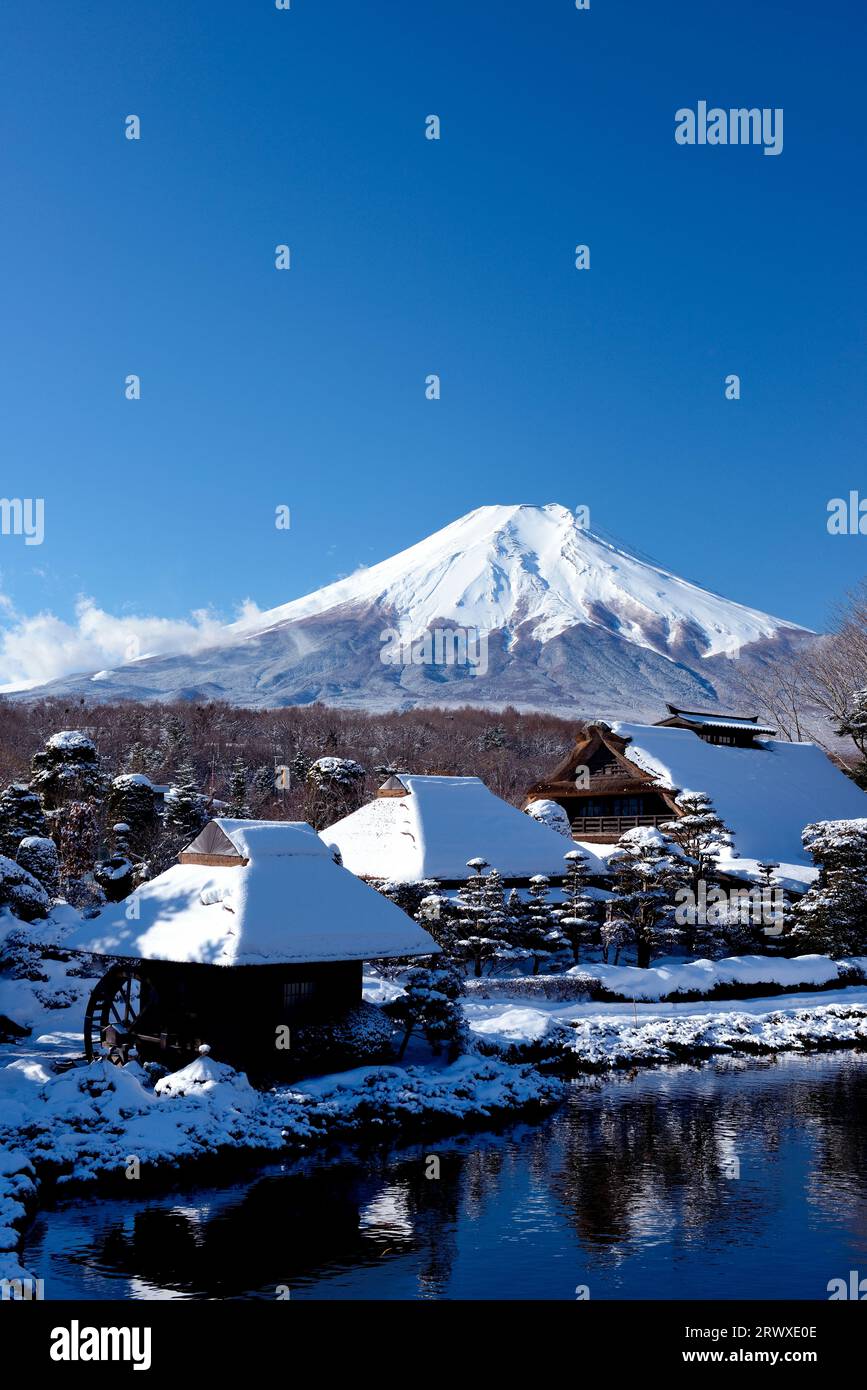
x,y
712,721
437,826
291,903
765,794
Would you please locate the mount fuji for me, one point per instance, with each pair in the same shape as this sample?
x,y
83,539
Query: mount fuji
x,y
572,624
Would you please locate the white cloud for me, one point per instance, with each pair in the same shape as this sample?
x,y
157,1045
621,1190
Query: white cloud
x,y
43,647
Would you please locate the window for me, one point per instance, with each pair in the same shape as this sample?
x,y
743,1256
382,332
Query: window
x,y
613,806
297,992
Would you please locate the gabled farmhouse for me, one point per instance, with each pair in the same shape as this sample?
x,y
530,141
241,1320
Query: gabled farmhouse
x,y
256,927
429,827
733,730
623,775
251,892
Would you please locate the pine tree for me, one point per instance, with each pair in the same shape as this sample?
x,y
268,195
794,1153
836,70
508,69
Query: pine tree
x,y
441,918
262,788
646,878
481,934
136,759
854,725
334,788
174,742
299,766
186,813
578,920
616,933
238,808
700,834
431,1005
21,814
540,935
831,917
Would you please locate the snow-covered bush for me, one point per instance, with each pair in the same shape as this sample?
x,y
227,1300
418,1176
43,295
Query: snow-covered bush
x,y
67,769
38,855
552,814
116,877
21,893
327,773
132,802
832,915
431,1006
362,1034
21,814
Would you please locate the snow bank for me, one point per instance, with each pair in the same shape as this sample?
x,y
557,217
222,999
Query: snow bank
x,y
94,1122
674,977
593,1036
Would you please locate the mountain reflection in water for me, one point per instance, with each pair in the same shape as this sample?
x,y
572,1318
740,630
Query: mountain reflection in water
x,y
731,1180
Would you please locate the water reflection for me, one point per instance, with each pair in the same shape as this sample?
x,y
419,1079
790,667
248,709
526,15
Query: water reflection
x,y
732,1180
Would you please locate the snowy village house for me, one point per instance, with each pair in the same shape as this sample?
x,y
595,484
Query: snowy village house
x,y
621,775
427,828
256,933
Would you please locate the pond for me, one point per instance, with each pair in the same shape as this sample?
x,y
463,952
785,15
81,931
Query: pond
x,y
728,1180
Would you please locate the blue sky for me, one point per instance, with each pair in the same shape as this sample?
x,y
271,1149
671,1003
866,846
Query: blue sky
x,y
306,388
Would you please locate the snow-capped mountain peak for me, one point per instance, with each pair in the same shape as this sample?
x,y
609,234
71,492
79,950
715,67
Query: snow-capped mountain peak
x,y
572,623
501,568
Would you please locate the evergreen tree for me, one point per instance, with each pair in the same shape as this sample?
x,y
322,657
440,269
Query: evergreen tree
x,y
174,742
539,935
646,878
67,769
481,933
137,759
700,834
441,918
616,933
132,802
578,920
854,725
21,814
299,767
262,788
431,1005
238,808
186,813
831,917
335,787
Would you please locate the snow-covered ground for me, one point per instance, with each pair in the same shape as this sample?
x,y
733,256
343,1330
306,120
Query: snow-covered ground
x,y
89,1123
106,1122
612,1035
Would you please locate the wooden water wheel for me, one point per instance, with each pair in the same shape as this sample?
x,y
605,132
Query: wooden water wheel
x,y
125,1013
